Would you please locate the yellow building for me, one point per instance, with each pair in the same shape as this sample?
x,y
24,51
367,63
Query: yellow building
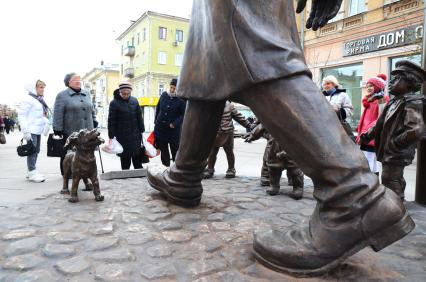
x,y
151,55
366,38
101,83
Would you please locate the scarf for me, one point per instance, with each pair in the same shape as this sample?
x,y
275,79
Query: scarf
x,y
42,102
329,92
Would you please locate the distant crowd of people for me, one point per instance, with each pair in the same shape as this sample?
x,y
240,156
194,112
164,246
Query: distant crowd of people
x,y
73,110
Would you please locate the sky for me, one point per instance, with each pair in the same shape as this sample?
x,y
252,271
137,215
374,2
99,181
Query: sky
x,y
46,39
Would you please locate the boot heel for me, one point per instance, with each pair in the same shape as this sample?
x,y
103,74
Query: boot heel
x,y
392,233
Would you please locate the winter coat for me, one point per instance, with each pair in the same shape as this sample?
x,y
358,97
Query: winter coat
x,y
342,100
169,110
73,111
31,116
125,123
398,129
233,45
368,118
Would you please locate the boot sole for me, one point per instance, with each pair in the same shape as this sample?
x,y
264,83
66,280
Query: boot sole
x,y
188,203
377,242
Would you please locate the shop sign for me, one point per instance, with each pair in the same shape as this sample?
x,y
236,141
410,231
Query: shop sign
x,y
397,38
148,101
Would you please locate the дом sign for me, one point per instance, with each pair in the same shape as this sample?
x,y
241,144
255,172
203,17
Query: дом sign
x,y
400,37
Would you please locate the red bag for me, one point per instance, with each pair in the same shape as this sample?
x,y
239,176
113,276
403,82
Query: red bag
x,y
151,138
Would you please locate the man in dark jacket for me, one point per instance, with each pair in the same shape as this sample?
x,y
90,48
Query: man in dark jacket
x,y
126,124
225,139
249,51
168,120
400,125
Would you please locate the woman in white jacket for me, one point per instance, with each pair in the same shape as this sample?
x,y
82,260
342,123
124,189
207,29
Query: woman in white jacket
x,y
32,114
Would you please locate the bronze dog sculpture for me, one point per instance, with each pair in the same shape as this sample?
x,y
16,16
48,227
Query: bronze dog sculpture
x,y
81,163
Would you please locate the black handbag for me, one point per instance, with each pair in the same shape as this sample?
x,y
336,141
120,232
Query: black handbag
x,y
2,138
143,156
55,147
25,150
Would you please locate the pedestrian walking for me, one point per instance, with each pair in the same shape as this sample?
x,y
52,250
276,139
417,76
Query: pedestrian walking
x,y
7,123
168,119
125,123
249,52
73,110
33,117
225,139
373,103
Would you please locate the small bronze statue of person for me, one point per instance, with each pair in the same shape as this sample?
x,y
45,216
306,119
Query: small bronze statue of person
x,y
275,161
225,139
400,125
249,52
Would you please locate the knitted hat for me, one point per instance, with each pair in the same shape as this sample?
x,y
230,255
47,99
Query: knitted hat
x,y
332,79
173,82
125,85
379,82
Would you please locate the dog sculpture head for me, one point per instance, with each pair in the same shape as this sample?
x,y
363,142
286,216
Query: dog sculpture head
x,y
85,139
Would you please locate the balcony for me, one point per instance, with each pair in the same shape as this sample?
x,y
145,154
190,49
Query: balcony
x,y
129,72
129,51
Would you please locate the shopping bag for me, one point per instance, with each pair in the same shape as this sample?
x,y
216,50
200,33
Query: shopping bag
x,y
150,150
113,147
55,146
2,138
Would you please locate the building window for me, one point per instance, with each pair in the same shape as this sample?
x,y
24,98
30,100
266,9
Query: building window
x,y
122,50
128,43
144,34
133,41
138,39
356,7
179,35
178,60
162,33
142,90
350,78
143,59
162,58
160,89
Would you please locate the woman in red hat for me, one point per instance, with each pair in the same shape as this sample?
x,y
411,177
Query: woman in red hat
x,y
373,103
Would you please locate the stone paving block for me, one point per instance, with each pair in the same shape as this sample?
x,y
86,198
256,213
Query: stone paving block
x,y
157,271
177,236
110,272
102,230
138,239
21,263
24,246
68,237
37,276
73,266
116,256
58,250
169,225
122,174
19,234
100,244
160,251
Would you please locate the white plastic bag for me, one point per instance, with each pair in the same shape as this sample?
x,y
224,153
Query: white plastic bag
x,y
113,147
150,150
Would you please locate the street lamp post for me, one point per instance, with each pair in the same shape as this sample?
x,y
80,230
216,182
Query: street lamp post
x,y
421,149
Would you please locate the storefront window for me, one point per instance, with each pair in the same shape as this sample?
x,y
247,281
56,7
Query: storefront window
x,y
350,78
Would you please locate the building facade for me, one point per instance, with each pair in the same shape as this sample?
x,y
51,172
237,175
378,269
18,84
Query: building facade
x,y
151,55
366,38
101,82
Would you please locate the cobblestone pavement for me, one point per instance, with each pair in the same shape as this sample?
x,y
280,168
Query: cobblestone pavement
x,y
136,236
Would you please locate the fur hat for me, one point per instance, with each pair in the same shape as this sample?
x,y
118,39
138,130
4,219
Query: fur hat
x,y
332,79
125,85
379,82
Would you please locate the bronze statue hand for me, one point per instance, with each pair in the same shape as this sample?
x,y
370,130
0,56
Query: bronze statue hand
x,y
321,12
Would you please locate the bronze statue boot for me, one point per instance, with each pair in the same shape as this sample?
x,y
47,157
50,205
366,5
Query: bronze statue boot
x,y
273,190
264,182
297,193
230,173
297,180
181,188
324,244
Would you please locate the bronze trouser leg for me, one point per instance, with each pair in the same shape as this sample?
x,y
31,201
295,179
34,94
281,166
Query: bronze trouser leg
x,y
199,129
230,157
212,159
299,117
264,173
393,178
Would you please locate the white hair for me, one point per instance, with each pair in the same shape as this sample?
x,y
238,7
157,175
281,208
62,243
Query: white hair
x,y
332,79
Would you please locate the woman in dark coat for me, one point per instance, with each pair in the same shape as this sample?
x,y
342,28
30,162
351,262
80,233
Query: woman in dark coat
x,y
126,124
168,120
